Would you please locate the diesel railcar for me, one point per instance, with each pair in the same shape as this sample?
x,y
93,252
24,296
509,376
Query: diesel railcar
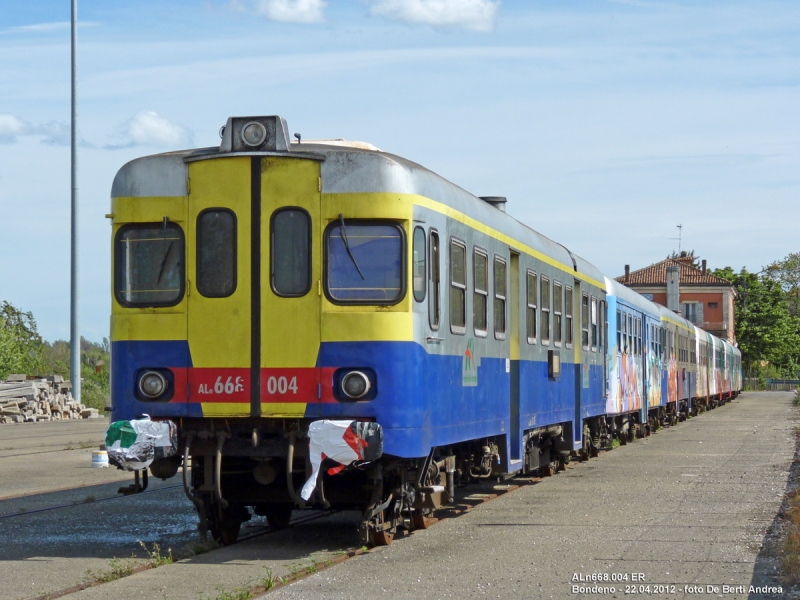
x,y
265,290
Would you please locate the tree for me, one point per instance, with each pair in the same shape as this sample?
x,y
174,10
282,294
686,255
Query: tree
x,y
20,343
765,329
787,273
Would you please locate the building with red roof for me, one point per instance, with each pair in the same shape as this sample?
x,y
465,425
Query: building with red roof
x,y
690,290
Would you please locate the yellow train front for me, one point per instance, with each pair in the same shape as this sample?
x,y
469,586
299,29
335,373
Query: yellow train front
x,y
254,295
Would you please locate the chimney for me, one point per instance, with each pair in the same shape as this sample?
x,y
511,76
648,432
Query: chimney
x,y
673,288
703,268
627,274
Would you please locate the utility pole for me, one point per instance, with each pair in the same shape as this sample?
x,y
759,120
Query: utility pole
x,y
74,299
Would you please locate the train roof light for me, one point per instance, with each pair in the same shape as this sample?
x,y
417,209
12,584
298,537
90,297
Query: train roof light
x,y
260,134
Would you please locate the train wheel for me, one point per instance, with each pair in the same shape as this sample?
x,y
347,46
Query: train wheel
x,y
279,515
422,521
381,538
225,523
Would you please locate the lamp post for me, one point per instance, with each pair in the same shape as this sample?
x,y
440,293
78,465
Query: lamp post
x,y
74,300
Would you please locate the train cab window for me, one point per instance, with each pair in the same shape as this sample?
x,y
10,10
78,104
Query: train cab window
x,y
568,317
149,265
558,302
216,253
544,309
364,263
434,302
500,284
594,324
458,287
290,256
531,306
480,266
419,270
585,322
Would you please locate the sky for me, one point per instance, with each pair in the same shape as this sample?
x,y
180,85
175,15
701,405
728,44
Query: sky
x,y
605,123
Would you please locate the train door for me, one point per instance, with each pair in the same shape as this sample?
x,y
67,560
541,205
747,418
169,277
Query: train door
x,y
218,287
580,307
514,355
290,279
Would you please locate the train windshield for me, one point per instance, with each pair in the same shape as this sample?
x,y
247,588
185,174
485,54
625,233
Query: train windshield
x,y
364,263
149,265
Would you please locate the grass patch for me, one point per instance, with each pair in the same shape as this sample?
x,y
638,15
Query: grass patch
x,y
154,557
118,569
615,443
269,580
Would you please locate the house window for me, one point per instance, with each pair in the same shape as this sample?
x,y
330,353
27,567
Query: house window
x,y
713,305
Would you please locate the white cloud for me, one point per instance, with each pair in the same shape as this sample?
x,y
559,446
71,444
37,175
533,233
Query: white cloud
x,y
52,133
148,129
10,128
293,11
477,15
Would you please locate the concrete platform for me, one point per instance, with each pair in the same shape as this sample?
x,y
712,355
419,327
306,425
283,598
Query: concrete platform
x,y
689,505
57,455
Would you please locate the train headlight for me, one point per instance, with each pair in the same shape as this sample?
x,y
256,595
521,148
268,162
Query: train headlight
x,y
355,385
254,134
152,384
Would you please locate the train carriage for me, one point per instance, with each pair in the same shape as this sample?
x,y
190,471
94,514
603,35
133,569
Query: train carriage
x,y
330,325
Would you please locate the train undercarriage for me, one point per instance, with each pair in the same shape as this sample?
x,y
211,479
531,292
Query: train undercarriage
x,y
258,466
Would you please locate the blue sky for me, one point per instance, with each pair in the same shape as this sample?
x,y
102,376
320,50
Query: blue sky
x,y
604,123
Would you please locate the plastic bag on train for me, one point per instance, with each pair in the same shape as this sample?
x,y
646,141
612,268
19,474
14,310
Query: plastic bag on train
x,y
342,441
133,445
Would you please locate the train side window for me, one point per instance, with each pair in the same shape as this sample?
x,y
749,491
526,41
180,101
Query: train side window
x,y
290,256
558,301
149,265
434,303
458,287
631,349
216,253
619,331
531,303
594,324
480,278
603,325
500,288
585,321
419,269
568,317
544,309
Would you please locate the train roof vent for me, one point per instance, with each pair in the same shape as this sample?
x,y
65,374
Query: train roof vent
x,y
499,202
255,134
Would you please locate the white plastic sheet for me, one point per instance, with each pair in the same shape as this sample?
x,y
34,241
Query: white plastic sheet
x,y
342,441
133,445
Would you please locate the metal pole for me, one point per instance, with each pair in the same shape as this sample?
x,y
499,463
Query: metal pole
x,y
74,300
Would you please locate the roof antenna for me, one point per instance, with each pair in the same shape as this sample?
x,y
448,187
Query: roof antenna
x,y
297,135
680,230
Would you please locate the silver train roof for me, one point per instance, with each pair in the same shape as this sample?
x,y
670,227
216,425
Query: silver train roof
x,y
346,167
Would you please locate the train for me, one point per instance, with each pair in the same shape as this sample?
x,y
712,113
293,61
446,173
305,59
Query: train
x,y
327,325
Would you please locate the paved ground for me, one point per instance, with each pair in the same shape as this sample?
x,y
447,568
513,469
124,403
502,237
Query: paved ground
x,y
42,457
689,505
